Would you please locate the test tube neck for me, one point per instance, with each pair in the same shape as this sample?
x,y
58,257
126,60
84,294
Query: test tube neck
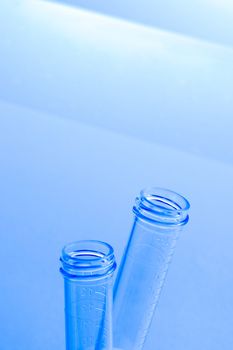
x,y
87,260
161,207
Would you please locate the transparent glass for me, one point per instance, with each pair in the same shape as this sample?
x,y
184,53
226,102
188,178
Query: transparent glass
x,y
159,216
88,267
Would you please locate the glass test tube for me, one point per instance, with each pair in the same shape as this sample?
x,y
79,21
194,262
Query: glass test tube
x,y
159,216
88,267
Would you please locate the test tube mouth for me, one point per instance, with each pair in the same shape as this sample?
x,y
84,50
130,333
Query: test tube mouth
x,y
163,206
87,259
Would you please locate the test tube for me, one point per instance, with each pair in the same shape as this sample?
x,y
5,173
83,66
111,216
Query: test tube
x,y
87,268
159,216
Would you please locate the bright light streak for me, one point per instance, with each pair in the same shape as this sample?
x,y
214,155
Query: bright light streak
x,y
89,26
222,4
81,27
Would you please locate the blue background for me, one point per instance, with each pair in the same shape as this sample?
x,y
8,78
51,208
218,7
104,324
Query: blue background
x,y
206,19
92,109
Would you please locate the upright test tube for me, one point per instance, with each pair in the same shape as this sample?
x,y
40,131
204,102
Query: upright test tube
x,y
159,216
87,267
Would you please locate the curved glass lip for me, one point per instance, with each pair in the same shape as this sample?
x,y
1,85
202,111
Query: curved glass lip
x,y
87,259
89,246
180,203
162,206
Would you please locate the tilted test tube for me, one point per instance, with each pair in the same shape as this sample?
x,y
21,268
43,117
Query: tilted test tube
x,y
159,217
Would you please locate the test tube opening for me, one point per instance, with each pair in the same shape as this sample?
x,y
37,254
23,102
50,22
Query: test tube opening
x,y
162,206
87,258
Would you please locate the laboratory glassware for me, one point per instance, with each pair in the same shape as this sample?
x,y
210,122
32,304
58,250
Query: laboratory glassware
x,y
160,215
87,268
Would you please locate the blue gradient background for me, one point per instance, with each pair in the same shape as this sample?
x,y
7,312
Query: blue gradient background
x,y
92,109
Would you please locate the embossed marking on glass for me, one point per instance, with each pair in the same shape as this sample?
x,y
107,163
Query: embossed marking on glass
x,y
159,216
87,267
